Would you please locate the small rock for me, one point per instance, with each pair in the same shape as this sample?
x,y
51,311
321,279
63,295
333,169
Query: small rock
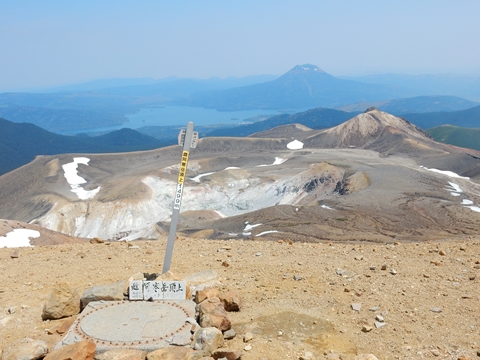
x,y
258,254
208,339
384,267
83,350
122,354
374,308
63,325
297,278
367,328
206,293
63,301
15,254
25,349
247,337
110,292
229,334
380,318
379,324
213,314
393,272
247,348
436,310
307,356
134,247
225,264
365,357
227,353
96,241
12,310
435,352
173,352
464,357
181,340
356,306
232,301
442,253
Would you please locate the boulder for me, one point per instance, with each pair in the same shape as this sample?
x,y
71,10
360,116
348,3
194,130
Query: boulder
x,y
63,301
26,348
83,350
232,300
174,353
212,314
226,353
122,354
208,340
205,293
109,292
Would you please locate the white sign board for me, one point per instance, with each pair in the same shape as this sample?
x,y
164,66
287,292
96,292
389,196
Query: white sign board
x,y
135,290
157,290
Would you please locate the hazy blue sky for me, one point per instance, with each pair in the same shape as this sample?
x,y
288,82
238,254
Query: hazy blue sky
x,y
44,43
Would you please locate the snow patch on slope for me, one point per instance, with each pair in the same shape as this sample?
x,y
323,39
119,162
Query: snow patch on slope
x,y
18,238
446,172
295,145
71,174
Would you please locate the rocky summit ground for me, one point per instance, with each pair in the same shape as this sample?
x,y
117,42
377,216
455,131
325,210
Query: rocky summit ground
x,y
396,301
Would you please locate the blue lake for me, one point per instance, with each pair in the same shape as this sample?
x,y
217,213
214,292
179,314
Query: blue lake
x,y
180,116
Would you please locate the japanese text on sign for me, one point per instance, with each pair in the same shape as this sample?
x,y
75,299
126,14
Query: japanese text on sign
x,y
157,290
183,167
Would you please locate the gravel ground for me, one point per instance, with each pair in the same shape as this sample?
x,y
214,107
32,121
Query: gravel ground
x,y
298,297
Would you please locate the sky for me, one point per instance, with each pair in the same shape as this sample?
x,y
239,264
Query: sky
x,y
60,42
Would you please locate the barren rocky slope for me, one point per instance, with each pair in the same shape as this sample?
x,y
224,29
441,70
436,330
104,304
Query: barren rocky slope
x,y
372,178
297,296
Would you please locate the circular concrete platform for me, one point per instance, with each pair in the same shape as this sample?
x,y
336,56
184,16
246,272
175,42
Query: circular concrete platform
x,y
133,324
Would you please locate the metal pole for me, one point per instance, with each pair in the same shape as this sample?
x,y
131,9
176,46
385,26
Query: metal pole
x,y
188,141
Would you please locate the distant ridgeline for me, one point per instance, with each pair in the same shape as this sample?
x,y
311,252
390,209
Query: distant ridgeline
x,y
455,135
20,143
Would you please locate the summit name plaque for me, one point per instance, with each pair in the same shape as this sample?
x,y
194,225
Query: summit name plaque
x,y
157,290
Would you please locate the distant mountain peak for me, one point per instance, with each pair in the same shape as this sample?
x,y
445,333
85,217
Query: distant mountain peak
x,y
370,125
307,68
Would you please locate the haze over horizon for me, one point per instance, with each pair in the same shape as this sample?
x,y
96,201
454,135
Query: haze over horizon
x,y
62,42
